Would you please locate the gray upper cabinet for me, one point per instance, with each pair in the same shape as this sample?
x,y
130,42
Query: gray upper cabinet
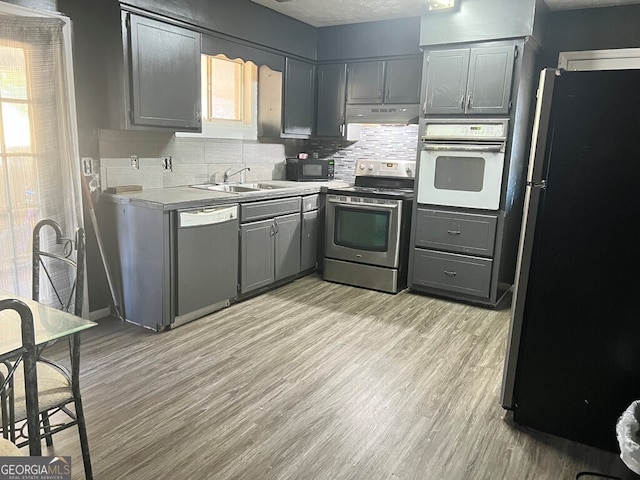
x,y
366,82
402,80
469,80
384,81
332,81
163,74
299,99
446,72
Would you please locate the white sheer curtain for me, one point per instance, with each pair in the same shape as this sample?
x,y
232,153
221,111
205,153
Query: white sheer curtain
x,y
39,161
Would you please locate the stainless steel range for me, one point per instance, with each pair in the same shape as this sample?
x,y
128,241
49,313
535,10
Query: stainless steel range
x,y
368,225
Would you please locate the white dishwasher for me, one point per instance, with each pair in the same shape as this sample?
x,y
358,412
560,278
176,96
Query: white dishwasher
x,y
206,268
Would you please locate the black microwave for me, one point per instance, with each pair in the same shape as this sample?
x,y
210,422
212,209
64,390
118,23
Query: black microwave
x,y
309,169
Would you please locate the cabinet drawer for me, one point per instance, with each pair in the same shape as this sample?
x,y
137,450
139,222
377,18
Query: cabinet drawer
x,y
452,272
250,212
457,232
310,202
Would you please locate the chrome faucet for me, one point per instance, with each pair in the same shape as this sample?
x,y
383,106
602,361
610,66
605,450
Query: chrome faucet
x,y
226,174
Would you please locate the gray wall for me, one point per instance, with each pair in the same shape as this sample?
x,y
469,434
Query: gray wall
x,y
242,19
591,29
370,39
479,20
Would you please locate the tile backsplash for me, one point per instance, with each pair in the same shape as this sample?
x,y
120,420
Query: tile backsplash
x,y
201,160
193,160
393,142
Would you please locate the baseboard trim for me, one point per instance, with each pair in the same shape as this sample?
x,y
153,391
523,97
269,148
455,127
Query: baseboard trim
x,y
98,314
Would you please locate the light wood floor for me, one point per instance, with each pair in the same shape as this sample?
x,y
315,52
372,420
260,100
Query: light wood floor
x,y
313,381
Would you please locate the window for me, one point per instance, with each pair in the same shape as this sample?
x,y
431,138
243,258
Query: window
x,y
39,167
20,199
226,90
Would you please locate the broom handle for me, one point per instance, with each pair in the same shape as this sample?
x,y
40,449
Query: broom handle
x,y
94,222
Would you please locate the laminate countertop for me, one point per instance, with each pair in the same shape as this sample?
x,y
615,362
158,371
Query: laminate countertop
x,y
177,198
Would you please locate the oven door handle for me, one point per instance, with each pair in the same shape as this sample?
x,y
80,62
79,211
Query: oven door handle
x,y
366,206
442,147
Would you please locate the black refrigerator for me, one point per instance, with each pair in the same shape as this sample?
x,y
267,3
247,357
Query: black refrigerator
x,y
573,355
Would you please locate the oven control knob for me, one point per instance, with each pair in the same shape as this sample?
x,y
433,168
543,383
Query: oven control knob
x,y
370,168
361,167
408,170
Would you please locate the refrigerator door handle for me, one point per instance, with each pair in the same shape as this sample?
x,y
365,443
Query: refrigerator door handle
x,y
541,184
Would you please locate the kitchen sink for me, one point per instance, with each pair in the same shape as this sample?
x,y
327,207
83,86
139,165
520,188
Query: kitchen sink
x,y
236,187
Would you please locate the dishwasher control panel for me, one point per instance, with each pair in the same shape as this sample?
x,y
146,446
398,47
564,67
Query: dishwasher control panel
x,y
207,216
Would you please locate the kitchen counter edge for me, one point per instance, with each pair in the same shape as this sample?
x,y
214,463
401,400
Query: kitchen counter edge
x,y
184,197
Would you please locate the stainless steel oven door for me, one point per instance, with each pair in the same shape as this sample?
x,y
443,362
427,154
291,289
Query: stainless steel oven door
x,y
461,175
364,230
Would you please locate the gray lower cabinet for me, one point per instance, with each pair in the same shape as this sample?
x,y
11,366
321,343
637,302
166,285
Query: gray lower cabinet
x,y
310,232
452,272
269,242
309,245
257,264
454,253
287,245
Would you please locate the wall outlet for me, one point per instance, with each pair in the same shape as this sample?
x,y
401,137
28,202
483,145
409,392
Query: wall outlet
x,y
166,164
88,166
135,162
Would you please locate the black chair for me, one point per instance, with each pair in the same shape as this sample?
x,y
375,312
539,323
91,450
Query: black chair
x,y
58,386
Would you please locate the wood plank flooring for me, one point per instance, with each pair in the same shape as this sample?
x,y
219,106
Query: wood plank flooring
x,y
313,381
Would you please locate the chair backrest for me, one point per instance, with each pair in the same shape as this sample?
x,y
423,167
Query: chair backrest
x,y
63,271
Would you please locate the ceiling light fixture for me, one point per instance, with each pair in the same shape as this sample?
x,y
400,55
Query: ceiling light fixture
x,y
442,5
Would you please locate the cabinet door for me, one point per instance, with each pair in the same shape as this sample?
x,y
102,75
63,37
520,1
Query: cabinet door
x,y
309,246
331,100
489,84
287,246
299,98
164,74
402,80
256,255
446,81
365,82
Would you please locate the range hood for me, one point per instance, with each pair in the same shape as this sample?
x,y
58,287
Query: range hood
x,y
388,113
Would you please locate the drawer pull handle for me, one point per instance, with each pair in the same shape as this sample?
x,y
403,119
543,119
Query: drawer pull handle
x,y
454,232
450,274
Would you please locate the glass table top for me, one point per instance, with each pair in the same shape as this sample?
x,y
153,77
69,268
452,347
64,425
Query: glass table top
x,y
48,323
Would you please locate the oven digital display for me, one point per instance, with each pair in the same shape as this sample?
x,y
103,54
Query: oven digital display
x,y
454,130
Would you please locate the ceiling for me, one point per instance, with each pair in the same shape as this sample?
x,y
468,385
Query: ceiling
x,y
324,13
